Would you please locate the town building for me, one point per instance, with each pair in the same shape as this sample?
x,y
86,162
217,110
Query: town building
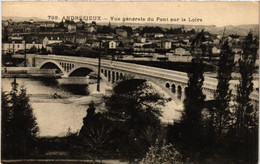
x,y
15,37
166,45
72,28
50,40
18,45
159,35
181,51
90,29
112,45
80,24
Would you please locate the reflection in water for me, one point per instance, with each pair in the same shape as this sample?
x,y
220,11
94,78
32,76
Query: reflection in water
x,y
74,89
55,116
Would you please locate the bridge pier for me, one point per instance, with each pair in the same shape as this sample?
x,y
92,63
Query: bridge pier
x,y
108,91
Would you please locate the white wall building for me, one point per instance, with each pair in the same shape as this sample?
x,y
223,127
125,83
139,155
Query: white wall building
x,y
181,51
112,45
13,47
47,41
167,45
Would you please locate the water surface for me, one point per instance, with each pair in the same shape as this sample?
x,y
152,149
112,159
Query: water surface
x,y
55,116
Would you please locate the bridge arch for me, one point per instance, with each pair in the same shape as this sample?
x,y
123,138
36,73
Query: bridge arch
x,y
185,88
105,73
82,71
88,67
179,88
121,76
109,76
113,76
167,85
54,63
117,76
157,83
161,85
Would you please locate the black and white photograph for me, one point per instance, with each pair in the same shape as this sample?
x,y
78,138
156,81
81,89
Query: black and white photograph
x,y
130,82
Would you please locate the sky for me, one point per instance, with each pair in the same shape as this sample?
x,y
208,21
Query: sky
x,y
204,13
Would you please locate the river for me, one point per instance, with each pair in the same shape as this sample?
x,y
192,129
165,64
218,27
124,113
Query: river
x,y
56,116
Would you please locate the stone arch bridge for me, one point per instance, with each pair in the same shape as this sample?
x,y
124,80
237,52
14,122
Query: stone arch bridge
x,y
171,82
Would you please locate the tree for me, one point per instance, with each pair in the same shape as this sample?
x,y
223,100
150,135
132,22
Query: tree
x,y
33,49
194,101
22,123
197,43
93,23
246,126
61,24
128,29
245,87
210,47
5,110
43,51
221,112
5,123
191,121
135,107
96,132
5,34
148,29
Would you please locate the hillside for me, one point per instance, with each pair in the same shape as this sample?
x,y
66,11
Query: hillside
x,y
22,19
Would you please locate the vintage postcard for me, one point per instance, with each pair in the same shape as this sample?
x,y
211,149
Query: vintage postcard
x,y
130,82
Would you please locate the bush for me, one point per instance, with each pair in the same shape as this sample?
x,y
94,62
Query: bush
x,y
166,154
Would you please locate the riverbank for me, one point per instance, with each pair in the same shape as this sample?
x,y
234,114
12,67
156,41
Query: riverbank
x,y
27,72
79,100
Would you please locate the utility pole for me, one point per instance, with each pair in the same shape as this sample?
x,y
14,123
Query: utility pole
x,y
99,64
25,58
222,39
13,46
